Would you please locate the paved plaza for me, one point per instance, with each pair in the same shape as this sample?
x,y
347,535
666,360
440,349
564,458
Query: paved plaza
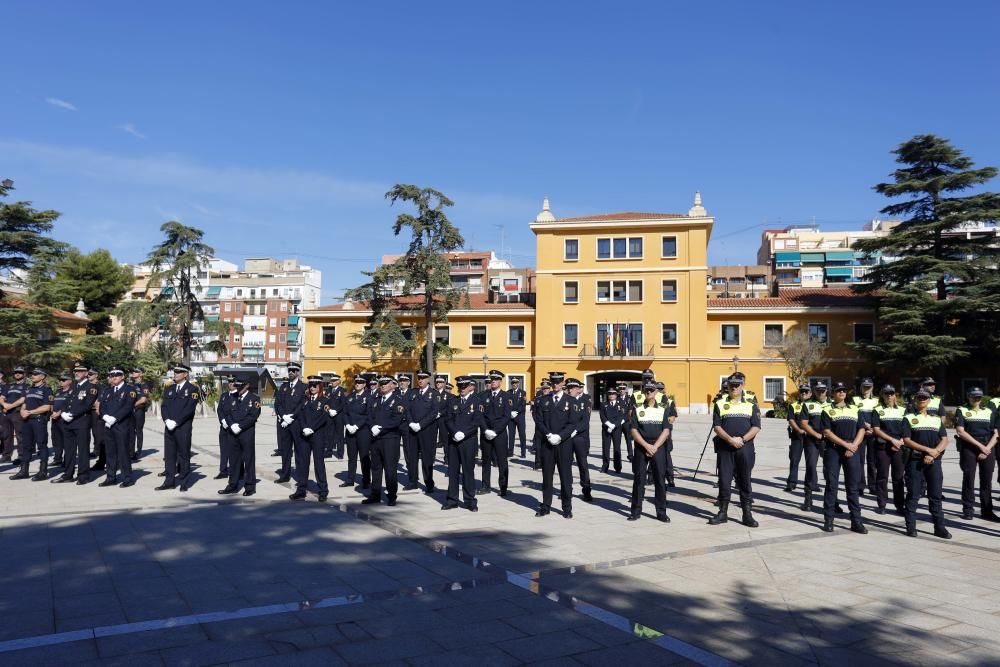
x,y
139,577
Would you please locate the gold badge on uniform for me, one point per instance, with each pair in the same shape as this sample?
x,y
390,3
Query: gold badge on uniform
x,y
725,406
914,421
642,413
881,413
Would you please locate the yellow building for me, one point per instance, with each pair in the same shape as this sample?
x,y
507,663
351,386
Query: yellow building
x,y
616,294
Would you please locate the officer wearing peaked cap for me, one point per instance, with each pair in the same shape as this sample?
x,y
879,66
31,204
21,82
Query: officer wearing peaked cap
x,y
424,409
287,400
612,422
357,435
650,429
925,436
580,436
116,413
810,420
59,402
795,436
519,401
180,401
34,412
335,395
844,429
887,423
387,415
11,398
866,403
976,436
226,439
138,423
244,411
463,418
557,429
76,418
736,421
312,418
497,406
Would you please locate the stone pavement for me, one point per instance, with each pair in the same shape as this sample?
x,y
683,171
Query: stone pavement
x,y
134,576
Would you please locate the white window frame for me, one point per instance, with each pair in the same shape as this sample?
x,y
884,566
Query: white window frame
x,y
322,335
676,335
819,324
611,290
668,236
773,324
739,335
567,282
763,387
486,331
567,258
854,330
676,290
628,255
564,343
524,335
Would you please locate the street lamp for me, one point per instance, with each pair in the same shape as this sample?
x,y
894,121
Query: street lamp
x,y
486,360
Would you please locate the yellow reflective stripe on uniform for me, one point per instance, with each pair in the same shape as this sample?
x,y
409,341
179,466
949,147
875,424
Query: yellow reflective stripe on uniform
x,y
924,422
891,413
815,407
982,414
727,407
653,415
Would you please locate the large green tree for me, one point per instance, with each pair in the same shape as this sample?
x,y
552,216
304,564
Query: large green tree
x,y
939,276
418,284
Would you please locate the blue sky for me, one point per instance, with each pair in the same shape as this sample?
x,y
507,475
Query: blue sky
x,y
277,127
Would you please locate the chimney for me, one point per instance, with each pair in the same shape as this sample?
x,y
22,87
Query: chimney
x,y
348,303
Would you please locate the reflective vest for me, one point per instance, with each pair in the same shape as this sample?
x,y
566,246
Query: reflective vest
x,y
729,408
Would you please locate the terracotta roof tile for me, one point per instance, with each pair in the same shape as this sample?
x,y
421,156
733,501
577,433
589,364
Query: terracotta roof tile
x,y
629,215
476,302
835,297
56,312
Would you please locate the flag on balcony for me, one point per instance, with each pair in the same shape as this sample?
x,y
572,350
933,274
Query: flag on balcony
x,y
627,336
606,342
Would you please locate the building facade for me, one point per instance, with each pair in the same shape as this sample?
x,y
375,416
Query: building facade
x,y
736,281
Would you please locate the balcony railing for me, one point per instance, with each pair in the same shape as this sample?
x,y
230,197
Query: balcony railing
x,y
601,352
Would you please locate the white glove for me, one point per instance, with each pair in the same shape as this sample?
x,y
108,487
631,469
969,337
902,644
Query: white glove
x,y
376,429
307,431
490,434
333,413
235,428
553,438
415,427
170,424
513,414
459,436
224,424
352,429
66,417
109,420
286,420
611,427
573,434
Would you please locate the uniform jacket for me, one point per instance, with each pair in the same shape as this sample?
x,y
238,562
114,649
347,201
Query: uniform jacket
x,y
613,413
465,417
518,400
356,409
14,392
425,407
557,415
119,404
388,414
179,403
244,410
81,402
312,413
496,410
288,398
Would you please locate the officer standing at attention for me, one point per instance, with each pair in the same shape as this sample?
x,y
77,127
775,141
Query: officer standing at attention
x,y
244,411
650,429
519,402
736,421
411,446
810,420
180,401
76,426
463,417
929,385
612,421
10,405
357,434
844,430
116,413
536,436
59,402
557,447
290,395
425,408
4,427
311,417
866,403
440,383
33,411
226,439
96,423
795,436
976,437
628,405
925,436
580,435
142,392
335,396
887,422
497,407
387,414
668,403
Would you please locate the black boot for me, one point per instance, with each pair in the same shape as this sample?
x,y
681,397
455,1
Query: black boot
x,y
942,532
828,524
22,473
586,494
43,472
722,516
748,519
807,504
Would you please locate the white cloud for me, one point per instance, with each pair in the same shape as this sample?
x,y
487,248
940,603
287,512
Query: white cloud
x,y
62,104
129,128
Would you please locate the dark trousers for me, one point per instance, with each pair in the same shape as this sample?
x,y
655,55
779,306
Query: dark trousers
x,y
627,436
358,447
176,453
495,451
427,440
97,428
919,475
11,431
225,450
536,443
889,462
243,458
640,462
411,454
870,445
136,432
668,455
77,434
6,437
516,427
607,441
117,444
286,444
338,435
795,447
34,435
738,464
58,439
307,447
812,448
560,455
581,450
968,459
835,458
385,459
462,464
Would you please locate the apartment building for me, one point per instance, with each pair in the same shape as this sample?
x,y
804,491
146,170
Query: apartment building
x,y
739,281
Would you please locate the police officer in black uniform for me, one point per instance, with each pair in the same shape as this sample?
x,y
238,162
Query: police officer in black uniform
x,y
143,392
628,405
312,417
387,415
424,408
812,442
335,395
76,427
357,435
96,423
244,411
497,407
650,429
58,435
4,426
887,423
544,389
10,405
519,403
117,409
290,395
926,439
795,436
736,421
35,406
440,384
844,429
976,437
612,423
580,436
226,439
463,418
180,401
557,420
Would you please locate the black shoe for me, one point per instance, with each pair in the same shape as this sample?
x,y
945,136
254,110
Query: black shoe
x,y
127,483
164,487
161,474
722,516
98,467
911,531
249,492
108,482
859,528
968,515
827,525
222,475
40,476
633,517
449,507
133,458
183,488
482,491
226,491
344,485
618,470
587,497
942,532
663,517
541,512
671,485
322,497
82,480
64,480
411,487
283,479
298,495
748,519
989,516
21,474
789,488
568,514
604,469
371,500
901,512
391,502
474,508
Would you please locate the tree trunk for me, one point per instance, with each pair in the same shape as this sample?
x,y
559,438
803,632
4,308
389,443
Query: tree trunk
x,y
429,334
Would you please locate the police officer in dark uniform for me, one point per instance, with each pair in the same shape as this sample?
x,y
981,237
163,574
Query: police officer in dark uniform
x,y
795,436
519,402
4,426
926,439
580,436
671,407
844,429
976,437
557,447
226,439
59,402
244,411
866,403
650,429
612,423
116,414
357,435
810,420
290,395
143,392
497,406
628,405
10,405
463,417
180,401
34,413
536,437
76,427
411,446
736,421
934,406
335,396
387,414
311,417
424,409
887,423
440,383
96,423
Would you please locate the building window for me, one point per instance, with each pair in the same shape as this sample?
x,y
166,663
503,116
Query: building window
x,y
620,248
669,290
571,291
571,250
635,246
570,334
329,335
603,248
511,284
774,335
730,335
284,307
619,291
281,338
635,291
272,338
515,336
442,334
229,307
281,322
407,333
478,336
669,334
669,250
239,291
819,334
864,332
239,308
774,388
274,322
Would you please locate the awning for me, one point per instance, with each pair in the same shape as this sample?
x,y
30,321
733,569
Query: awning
x,y
213,291
814,257
840,256
293,336
167,291
293,320
839,271
211,318
787,256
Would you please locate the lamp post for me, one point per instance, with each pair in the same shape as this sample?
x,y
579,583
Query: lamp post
x,y
486,360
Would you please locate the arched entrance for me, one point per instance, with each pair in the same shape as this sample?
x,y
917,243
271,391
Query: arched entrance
x,y
597,383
